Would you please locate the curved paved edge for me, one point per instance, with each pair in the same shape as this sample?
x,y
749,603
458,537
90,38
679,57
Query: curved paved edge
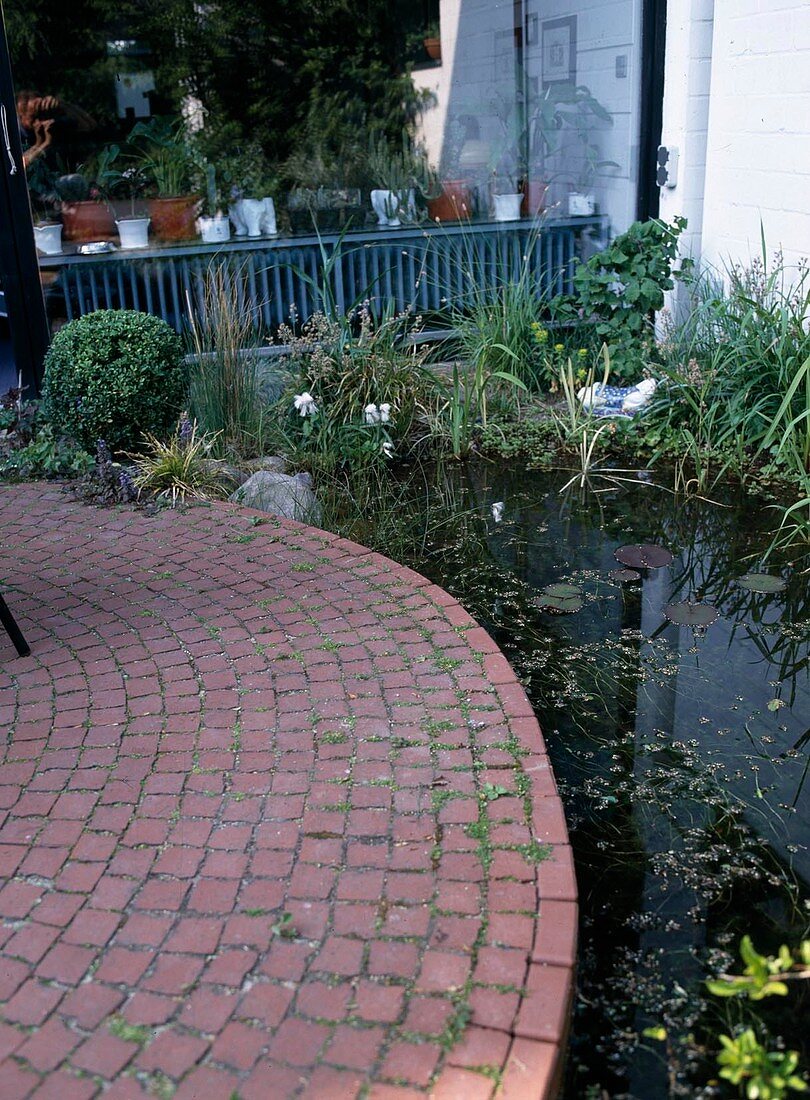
x,y
148,828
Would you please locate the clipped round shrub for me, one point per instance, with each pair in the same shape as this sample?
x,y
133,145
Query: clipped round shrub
x,y
113,375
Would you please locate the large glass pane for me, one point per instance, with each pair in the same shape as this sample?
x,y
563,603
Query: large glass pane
x,y
169,130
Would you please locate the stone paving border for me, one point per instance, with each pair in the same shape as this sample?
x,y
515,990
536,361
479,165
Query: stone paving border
x,y
276,819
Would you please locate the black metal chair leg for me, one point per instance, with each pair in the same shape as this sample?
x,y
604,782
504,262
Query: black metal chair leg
x,y
13,631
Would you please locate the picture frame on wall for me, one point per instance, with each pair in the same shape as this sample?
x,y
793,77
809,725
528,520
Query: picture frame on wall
x,y
559,51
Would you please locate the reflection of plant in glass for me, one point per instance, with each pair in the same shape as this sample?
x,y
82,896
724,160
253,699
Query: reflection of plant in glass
x,y
161,152
562,112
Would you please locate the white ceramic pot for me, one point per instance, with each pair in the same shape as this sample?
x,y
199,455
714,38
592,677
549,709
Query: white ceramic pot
x,y
133,232
215,230
386,206
48,238
238,222
259,217
581,206
506,208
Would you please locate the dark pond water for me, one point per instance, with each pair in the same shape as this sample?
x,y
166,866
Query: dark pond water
x,y
682,756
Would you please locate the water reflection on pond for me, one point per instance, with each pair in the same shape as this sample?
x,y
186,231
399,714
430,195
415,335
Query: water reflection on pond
x,y
681,752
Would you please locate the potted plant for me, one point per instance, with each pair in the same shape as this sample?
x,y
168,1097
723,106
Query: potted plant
x,y
252,210
123,187
564,119
214,226
454,198
432,41
396,176
506,197
161,152
85,216
505,159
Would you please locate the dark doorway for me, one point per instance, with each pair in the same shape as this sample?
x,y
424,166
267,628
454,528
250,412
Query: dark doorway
x,y
653,49
23,324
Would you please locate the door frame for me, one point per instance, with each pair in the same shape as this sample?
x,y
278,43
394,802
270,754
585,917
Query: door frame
x,y
653,54
19,268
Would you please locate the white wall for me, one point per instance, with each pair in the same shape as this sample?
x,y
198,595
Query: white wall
x,y
687,83
737,102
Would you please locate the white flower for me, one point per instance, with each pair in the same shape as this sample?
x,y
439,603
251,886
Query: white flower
x,y
385,413
371,414
497,511
305,404
388,449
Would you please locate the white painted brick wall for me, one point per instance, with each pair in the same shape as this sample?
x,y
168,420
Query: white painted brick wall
x,y
758,148
685,126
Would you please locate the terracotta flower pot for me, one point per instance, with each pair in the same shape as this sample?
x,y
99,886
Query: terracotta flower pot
x,y
454,203
87,221
174,219
433,48
534,197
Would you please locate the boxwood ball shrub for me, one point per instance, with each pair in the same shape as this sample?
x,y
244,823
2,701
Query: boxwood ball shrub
x,y
113,375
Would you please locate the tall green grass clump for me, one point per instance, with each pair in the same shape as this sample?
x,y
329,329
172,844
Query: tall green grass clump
x,y
737,375
225,382
495,314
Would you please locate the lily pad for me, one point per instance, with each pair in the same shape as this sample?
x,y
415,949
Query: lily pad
x,y
645,555
565,599
691,614
562,590
762,582
620,575
564,605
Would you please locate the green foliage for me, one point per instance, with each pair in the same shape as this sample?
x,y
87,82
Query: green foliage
x,y
351,370
744,1060
495,321
225,390
736,380
180,468
761,977
759,1073
621,286
531,439
45,455
29,448
113,375
284,927
160,151
459,415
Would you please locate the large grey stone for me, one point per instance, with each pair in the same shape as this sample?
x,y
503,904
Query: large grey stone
x,y
279,494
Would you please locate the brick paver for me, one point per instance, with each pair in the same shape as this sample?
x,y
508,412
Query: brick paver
x,y
276,820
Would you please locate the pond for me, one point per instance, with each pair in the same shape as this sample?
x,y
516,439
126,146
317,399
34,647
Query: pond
x,y
680,751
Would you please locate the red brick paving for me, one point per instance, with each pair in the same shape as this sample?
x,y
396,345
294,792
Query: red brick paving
x,y
227,719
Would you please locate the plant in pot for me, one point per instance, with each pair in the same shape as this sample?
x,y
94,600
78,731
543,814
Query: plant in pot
x,y
454,199
432,41
505,160
214,226
563,125
323,192
85,215
252,210
507,198
397,175
123,188
161,151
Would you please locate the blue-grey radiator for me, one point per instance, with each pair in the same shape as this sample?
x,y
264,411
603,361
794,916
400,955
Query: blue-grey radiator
x,y
420,268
